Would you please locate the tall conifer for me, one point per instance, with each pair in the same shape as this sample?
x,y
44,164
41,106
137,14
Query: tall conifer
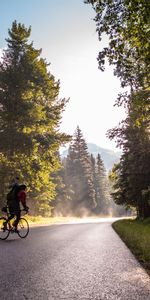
x,y
30,113
102,189
80,175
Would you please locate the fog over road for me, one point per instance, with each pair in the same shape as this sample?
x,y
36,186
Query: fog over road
x,y
71,262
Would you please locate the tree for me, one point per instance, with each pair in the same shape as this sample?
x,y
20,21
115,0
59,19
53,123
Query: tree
x,y
79,175
93,168
119,205
126,24
64,193
102,190
133,172
30,113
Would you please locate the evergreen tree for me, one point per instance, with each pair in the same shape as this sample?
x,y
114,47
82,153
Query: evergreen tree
x,y
133,173
102,189
30,113
93,166
62,201
79,175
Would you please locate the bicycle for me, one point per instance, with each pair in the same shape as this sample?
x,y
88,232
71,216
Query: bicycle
x,y
6,229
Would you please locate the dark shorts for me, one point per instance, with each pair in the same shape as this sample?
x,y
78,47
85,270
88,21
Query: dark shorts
x,y
14,208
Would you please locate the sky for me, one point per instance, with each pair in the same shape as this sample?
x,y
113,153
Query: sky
x,y
66,32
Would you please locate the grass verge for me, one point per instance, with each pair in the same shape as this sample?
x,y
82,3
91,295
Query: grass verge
x,y
136,235
39,220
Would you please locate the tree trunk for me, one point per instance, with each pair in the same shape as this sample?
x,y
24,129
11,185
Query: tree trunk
x,y
146,208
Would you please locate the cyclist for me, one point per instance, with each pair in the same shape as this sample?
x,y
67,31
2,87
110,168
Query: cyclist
x,y
14,205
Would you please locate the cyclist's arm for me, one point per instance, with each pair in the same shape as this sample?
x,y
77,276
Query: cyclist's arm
x,y
22,198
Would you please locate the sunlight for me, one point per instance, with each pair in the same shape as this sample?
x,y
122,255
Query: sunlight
x,y
93,220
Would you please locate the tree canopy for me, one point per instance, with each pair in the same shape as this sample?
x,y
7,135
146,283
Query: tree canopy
x,y
126,23
30,114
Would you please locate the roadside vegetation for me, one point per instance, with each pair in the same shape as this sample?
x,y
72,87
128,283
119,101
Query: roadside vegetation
x,y
136,235
126,25
39,220
31,114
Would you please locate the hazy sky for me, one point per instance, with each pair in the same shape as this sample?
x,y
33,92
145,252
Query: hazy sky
x,y
65,31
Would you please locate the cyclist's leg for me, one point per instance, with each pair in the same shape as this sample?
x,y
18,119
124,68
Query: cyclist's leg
x,y
17,214
10,217
11,214
7,222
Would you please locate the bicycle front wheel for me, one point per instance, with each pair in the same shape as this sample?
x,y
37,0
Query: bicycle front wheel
x,y
4,229
23,228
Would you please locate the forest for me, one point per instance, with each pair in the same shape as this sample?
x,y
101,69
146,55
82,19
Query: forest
x,y
30,115
31,112
83,188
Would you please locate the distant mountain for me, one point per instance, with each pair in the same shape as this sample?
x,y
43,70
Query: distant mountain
x,y
109,157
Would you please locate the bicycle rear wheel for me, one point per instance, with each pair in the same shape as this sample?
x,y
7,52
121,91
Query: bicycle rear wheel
x,y
4,230
23,228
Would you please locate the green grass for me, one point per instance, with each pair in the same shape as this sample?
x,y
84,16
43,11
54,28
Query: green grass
x,y
136,235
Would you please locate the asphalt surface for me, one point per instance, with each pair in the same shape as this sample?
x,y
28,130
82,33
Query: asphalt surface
x,y
71,262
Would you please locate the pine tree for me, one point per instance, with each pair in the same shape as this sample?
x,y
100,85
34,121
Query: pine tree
x,y
62,201
30,113
102,189
79,174
131,178
93,166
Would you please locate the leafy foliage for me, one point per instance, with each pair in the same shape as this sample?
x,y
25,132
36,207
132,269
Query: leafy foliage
x,y
127,26
132,175
126,23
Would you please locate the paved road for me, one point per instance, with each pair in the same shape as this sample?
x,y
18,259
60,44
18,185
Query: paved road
x,y
71,262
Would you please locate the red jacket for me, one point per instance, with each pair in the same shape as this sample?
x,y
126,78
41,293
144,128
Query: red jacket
x,y
22,197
